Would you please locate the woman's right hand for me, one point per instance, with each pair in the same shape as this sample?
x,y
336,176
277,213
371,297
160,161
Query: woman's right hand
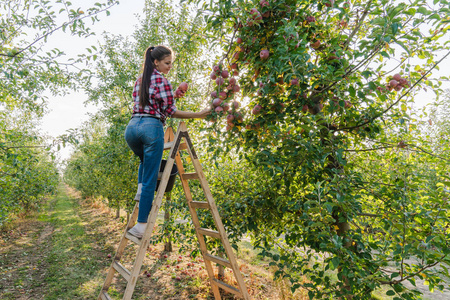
x,y
204,113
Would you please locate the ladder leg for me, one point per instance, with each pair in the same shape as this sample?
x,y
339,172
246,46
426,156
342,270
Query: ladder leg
x,y
120,249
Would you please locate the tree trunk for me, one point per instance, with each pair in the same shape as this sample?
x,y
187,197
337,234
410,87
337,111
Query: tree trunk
x,y
168,244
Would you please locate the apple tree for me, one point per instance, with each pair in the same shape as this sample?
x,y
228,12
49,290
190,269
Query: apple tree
x,y
316,97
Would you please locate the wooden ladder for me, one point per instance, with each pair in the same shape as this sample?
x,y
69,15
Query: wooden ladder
x,y
174,144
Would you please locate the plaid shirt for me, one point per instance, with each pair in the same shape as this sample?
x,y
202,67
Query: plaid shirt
x,y
161,102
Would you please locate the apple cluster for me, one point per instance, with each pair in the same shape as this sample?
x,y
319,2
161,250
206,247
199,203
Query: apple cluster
x,y
222,98
397,83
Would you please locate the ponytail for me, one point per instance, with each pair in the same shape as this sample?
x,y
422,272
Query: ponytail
x,y
152,53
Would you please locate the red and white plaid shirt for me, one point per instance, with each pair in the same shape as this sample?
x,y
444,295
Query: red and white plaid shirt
x,y
161,100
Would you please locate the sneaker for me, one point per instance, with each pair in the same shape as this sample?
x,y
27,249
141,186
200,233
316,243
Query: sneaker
x,y
133,231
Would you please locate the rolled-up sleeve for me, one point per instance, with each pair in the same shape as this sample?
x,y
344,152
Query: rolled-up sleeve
x,y
167,99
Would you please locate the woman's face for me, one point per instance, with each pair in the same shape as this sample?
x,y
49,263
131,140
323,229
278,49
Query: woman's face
x,y
164,65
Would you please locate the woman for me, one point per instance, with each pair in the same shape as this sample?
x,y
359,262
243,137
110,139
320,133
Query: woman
x,y
153,103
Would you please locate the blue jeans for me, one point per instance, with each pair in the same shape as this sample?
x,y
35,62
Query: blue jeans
x,y
145,137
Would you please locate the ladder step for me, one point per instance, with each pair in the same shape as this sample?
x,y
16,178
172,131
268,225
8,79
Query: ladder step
x,y
133,238
104,295
218,260
209,232
227,287
199,204
169,145
122,270
187,176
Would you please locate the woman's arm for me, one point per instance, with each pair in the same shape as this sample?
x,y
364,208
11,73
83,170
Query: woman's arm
x,y
179,114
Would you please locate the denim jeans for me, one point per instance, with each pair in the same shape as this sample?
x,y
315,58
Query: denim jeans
x,y
145,137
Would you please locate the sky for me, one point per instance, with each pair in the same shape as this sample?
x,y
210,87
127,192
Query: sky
x,y
69,111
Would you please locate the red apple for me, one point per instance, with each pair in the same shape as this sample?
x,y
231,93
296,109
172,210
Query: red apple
x,y
223,95
213,76
393,83
235,104
256,110
218,109
315,45
236,88
225,106
230,118
305,108
397,77
183,86
219,81
109,255
225,74
232,81
178,278
214,94
239,40
294,81
235,73
310,19
216,68
264,54
216,102
234,66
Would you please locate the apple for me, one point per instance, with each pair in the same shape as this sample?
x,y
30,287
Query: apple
x,y
109,255
294,81
219,81
257,109
397,77
236,88
315,45
165,255
216,68
178,93
234,66
225,106
214,94
225,74
235,104
264,54
236,55
216,102
230,118
393,83
213,76
178,278
183,86
305,108
232,81
310,19
403,82
347,104
239,40
235,73
223,95
264,3
148,275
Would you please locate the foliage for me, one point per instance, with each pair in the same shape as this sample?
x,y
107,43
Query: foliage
x,y
28,68
28,172
330,134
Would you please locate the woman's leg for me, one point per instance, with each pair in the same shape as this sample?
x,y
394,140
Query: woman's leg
x,y
153,140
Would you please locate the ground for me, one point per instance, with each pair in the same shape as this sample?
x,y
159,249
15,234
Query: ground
x,y
65,250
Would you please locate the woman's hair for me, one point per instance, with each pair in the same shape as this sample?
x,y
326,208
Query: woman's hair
x,y
152,53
